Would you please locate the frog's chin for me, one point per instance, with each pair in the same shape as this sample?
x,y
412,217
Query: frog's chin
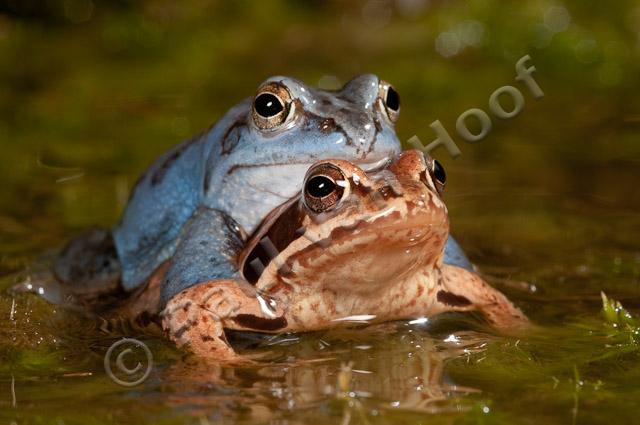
x,y
278,179
370,164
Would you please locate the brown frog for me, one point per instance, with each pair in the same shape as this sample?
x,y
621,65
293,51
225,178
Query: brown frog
x,y
351,246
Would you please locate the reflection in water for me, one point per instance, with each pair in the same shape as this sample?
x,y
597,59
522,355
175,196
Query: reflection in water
x,y
407,373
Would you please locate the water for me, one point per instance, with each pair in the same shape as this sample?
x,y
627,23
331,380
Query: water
x,y
546,205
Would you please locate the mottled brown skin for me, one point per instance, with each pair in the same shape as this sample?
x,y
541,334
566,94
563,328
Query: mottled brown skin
x,y
377,252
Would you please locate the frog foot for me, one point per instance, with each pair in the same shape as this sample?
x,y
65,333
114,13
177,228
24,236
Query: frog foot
x,y
198,316
461,290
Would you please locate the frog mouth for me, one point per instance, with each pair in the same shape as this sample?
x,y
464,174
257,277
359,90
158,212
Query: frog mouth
x,y
369,166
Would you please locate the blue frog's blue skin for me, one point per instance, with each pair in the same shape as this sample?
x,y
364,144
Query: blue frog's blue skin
x,y
455,256
198,202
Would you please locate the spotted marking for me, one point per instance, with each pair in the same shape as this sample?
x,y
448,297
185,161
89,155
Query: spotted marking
x,y
206,338
452,299
327,125
232,136
251,321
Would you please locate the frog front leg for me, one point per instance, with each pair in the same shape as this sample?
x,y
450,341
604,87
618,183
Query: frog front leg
x,y
458,289
198,290
198,316
207,248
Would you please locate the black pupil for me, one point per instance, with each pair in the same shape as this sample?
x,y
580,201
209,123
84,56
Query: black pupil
x,y
438,172
268,105
320,186
393,99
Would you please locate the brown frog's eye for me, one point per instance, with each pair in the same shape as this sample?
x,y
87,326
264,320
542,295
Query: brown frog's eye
x,y
271,106
438,174
323,187
320,186
390,99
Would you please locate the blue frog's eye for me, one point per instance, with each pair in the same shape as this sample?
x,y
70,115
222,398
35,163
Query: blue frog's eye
x,y
390,99
271,106
268,105
393,99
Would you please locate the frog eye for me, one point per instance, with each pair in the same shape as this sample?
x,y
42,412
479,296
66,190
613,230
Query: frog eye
x,y
390,99
323,187
271,106
268,105
433,175
438,174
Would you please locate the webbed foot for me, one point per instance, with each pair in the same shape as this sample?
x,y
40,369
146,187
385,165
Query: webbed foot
x,y
462,290
197,317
